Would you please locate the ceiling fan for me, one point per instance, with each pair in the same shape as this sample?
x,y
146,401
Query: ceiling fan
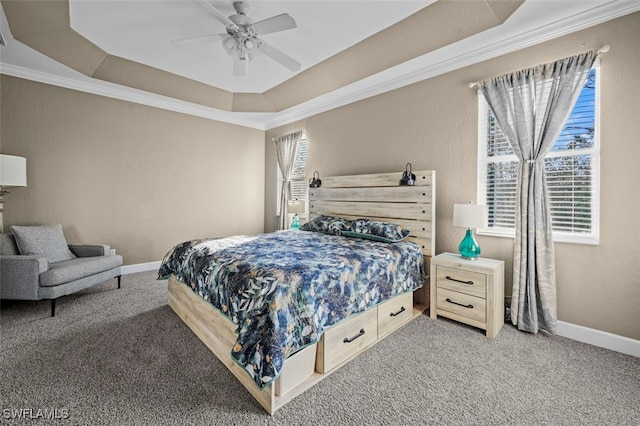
x,y
241,40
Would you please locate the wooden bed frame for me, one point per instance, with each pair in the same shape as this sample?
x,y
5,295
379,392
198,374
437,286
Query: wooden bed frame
x,y
372,196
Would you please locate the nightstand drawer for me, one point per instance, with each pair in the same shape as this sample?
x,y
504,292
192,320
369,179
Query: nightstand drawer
x,y
463,281
462,304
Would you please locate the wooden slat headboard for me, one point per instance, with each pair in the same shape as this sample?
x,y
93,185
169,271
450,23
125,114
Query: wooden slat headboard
x,y
379,197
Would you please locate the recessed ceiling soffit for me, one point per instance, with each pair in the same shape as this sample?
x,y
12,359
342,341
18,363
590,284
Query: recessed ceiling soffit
x,y
45,27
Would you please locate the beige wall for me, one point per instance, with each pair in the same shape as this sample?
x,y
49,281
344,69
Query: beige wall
x,y
138,178
433,124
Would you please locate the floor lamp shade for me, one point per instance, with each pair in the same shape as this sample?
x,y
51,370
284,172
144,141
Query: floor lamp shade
x,y
469,216
13,170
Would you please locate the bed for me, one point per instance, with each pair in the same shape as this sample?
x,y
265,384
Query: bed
x,y
284,310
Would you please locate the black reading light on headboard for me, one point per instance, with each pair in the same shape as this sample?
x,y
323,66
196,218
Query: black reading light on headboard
x,y
315,182
408,178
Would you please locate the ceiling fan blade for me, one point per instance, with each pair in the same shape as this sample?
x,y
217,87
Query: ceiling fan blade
x,y
210,37
277,23
240,66
221,16
278,56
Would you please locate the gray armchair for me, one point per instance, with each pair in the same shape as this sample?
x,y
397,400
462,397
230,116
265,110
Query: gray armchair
x,y
50,268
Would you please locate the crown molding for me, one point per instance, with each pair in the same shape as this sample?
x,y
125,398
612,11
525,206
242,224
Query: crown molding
x,y
110,90
487,45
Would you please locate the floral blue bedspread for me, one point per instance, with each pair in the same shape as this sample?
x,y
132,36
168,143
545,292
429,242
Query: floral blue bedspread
x,y
284,289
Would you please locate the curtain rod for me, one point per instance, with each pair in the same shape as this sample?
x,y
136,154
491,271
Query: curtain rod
x,y
603,49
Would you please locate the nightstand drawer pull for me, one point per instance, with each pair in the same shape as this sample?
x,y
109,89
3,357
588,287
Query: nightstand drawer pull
x,y
459,304
393,314
459,281
347,340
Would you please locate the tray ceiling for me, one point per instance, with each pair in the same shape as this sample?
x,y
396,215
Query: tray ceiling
x,y
142,31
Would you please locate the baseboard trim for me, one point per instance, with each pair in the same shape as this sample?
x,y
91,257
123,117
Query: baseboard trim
x,y
140,267
599,338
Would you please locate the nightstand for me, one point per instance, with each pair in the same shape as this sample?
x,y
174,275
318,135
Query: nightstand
x,y
468,291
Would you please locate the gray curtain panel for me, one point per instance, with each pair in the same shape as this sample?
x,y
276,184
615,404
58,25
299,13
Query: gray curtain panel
x,y
532,107
286,151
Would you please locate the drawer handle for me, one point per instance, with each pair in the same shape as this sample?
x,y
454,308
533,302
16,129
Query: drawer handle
x,y
393,314
459,304
347,340
459,281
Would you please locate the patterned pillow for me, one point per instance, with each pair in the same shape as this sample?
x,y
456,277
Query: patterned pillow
x,y
376,231
46,240
327,225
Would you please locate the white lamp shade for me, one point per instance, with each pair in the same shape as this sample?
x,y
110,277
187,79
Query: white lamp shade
x,y
469,215
297,207
13,170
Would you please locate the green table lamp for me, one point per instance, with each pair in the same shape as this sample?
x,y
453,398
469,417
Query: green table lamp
x,y
296,207
469,216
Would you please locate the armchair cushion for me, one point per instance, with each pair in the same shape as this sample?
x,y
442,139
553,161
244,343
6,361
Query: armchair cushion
x,y
74,269
45,240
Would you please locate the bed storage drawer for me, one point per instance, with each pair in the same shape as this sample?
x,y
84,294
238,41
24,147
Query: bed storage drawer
x,y
462,304
346,340
395,312
296,368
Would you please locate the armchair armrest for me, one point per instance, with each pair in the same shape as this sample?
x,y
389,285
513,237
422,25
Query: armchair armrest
x,y
20,276
87,250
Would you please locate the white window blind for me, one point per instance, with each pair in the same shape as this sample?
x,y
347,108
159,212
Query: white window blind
x,y
572,169
299,182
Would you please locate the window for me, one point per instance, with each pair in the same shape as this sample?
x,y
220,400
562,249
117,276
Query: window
x,y
572,168
298,177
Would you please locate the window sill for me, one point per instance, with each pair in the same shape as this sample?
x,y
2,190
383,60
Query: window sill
x,y
558,237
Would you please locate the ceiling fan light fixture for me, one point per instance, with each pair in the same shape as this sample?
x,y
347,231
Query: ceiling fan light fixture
x,y
230,44
240,48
